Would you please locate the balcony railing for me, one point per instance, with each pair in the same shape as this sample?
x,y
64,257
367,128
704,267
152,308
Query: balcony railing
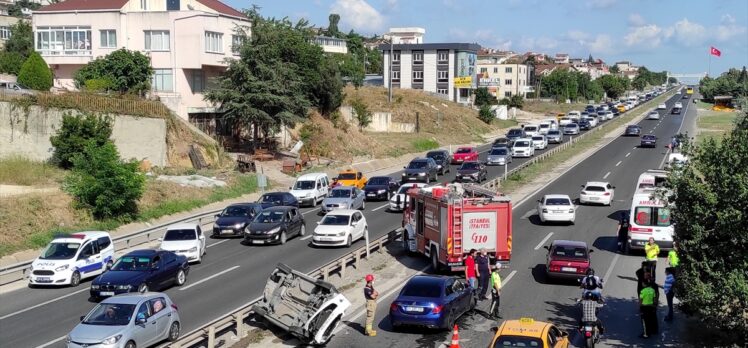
x,y
66,53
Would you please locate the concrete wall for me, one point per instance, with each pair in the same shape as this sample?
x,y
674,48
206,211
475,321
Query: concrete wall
x,y
380,122
28,135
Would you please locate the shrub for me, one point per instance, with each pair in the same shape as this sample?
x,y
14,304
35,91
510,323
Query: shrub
x,y
35,73
362,113
103,183
75,133
10,62
485,114
127,72
98,85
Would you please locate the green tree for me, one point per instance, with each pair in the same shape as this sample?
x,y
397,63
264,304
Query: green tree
x,y
561,85
362,113
35,73
672,80
75,133
639,82
516,101
484,97
21,39
103,183
614,70
332,27
613,86
708,197
485,114
10,62
123,70
15,10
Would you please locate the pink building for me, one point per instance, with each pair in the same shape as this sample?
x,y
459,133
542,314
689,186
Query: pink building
x,y
187,41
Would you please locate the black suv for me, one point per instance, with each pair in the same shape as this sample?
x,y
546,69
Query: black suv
x,y
421,169
441,157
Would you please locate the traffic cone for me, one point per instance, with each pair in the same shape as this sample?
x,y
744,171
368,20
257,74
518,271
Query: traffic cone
x,y
455,338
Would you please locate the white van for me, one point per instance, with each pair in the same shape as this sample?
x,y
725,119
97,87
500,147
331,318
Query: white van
x,y
649,217
310,189
531,129
68,259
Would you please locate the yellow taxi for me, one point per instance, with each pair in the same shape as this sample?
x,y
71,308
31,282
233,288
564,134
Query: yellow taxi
x,y
527,332
351,177
621,108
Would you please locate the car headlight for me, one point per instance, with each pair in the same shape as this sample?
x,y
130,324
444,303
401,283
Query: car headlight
x,y
475,175
112,340
95,287
421,174
381,191
192,250
439,166
343,205
68,339
61,268
215,225
239,225
275,230
309,194
571,210
404,174
341,234
123,287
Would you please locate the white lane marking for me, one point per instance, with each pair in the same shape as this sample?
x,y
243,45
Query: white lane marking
x,y
381,207
309,211
42,304
628,154
543,241
216,243
634,147
209,278
305,238
51,342
612,266
508,278
619,163
606,175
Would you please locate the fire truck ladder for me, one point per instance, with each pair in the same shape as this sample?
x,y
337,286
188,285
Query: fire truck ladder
x,y
457,228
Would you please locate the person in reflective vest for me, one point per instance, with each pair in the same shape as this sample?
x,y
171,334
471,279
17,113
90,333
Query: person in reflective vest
x,y
371,304
495,285
672,256
648,310
651,250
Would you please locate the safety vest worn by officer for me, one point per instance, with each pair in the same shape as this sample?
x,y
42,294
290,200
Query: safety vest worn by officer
x,y
651,250
672,258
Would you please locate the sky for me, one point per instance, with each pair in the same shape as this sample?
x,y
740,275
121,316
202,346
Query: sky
x,y
673,35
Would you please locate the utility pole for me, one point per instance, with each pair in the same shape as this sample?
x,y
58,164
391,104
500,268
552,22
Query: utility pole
x,y
389,92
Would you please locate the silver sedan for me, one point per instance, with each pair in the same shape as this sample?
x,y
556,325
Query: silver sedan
x,y
344,197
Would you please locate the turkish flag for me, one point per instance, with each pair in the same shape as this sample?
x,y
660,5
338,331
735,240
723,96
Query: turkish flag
x,y
715,52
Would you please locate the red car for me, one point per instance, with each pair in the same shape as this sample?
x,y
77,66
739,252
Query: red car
x,y
567,259
465,154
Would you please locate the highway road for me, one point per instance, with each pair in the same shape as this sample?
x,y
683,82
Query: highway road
x,y
526,291
230,275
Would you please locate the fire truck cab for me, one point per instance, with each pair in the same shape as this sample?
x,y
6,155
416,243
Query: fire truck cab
x,y
444,222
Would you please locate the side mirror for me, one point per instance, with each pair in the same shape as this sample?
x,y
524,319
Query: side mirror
x,y
217,216
613,187
539,201
564,334
319,222
290,188
591,250
82,317
160,239
141,321
546,247
405,167
494,329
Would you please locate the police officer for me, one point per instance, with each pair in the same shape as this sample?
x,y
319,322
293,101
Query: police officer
x,y
672,256
648,310
371,304
484,273
495,285
651,251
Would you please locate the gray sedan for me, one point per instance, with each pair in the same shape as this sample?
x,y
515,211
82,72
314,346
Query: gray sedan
x,y
554,136
344,197
499,156
128,320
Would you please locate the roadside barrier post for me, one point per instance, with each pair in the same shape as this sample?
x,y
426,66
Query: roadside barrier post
x,y
239,325
506,170
211,337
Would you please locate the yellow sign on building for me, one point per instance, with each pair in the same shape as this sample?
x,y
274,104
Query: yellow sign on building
x,y
463,82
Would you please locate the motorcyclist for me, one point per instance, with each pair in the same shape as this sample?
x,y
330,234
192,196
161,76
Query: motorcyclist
x,y
591,284
590,304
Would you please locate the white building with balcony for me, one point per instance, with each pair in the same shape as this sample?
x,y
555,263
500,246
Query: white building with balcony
x,y
187,41
410,35
331,44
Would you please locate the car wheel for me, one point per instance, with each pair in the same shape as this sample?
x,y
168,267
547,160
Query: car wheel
x,y
283,238
434,260
181,278
174,331
302,231
199,259
314,201
75,279
143,288
349,241
130,344
363,205
450,320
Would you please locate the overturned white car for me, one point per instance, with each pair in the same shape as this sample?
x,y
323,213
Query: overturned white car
x,y
306,307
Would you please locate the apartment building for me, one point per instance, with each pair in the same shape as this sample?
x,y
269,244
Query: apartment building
x,y
187,41
447,69
331,44
561,58
5,23
506,79
410,35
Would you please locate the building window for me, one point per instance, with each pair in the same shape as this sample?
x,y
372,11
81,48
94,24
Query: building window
x,y
156,40
4,33
197,80
396,56
508,70
108,38
213,42
418,76
163,80
395,76
417,57
508,82
507,94
442,91
483,70
443,76
442,56
144,5
495,70
236,43
73,40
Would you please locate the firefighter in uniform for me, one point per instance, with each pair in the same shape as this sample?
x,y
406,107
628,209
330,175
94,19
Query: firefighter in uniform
x,y
371,304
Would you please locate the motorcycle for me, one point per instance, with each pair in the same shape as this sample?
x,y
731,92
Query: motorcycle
x,y
591,334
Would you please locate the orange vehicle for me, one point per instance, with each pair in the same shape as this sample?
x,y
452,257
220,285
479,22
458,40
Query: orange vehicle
x,y
351,177
445,222
527,332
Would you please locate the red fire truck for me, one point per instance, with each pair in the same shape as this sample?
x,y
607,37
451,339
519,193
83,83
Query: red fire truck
x,y
445,222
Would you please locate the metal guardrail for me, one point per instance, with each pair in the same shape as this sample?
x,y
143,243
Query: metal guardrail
x,y
206,336
20,271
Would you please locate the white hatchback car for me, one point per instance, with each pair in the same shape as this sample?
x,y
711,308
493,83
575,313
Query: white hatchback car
x,y
341,227
539,142
654,115
661,106
187,240
597,192
398,200
523,147
556,208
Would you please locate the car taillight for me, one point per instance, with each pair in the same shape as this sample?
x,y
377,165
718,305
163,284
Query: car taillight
x,y
175,307
606,194
584,192
393,307
554,268
437,309
588,333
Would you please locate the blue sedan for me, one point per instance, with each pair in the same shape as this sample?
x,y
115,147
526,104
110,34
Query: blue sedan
x,y
432,301
141,271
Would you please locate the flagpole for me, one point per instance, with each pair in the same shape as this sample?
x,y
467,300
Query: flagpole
x,y
709,71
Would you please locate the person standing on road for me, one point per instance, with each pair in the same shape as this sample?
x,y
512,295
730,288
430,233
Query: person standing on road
x,y
495,285
371,304
672,256
470,269
642,277
651,250
669,287
623,231
484,272
648,310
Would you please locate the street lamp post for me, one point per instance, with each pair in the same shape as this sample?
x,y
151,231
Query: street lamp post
x,y
389,92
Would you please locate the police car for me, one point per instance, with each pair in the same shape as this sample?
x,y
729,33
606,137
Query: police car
x,y
68,259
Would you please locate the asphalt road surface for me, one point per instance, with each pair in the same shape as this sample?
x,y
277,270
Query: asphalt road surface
x,y
527,292
232,274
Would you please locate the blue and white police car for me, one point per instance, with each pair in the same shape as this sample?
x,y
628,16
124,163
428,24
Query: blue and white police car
x,y
68,259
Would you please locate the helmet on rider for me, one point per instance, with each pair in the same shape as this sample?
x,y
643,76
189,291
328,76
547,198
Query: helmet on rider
x,y
369,278
590,296
590,272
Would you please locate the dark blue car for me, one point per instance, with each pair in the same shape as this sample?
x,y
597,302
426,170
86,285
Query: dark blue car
x,y
141,271
278,199
431,301
234,219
